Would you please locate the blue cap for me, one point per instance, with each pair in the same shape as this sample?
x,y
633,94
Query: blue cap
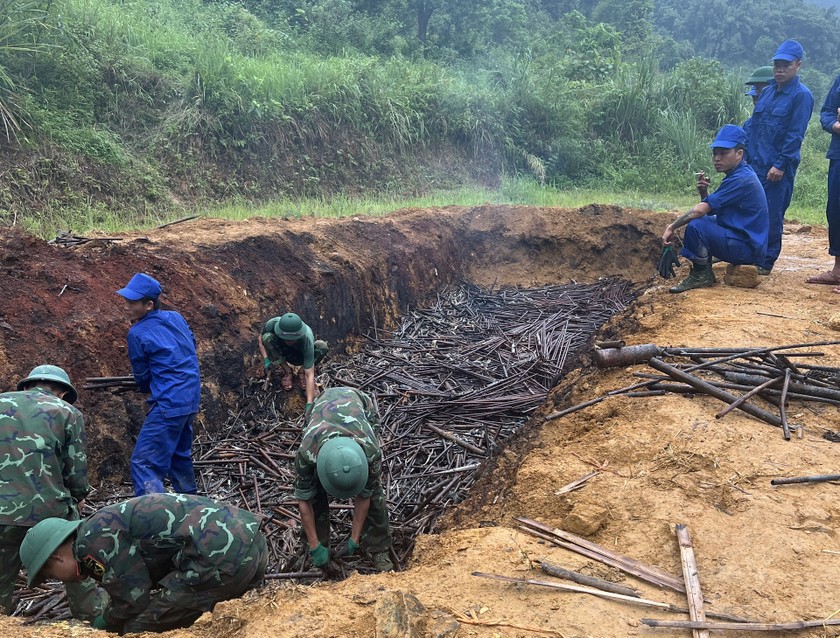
x,y
141,286
751,91
789,50
729,136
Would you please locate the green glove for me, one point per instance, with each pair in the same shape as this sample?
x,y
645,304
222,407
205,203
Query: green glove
x,y
320,555
99,623
352,546
266,363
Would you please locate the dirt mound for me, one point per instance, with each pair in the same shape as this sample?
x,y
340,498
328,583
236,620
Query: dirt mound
x,y
762,552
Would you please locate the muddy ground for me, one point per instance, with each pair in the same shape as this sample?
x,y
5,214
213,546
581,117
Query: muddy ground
x,y
761,551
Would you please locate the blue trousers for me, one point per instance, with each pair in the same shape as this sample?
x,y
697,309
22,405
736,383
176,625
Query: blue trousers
x,y
163,450
778,199
832,208
704,239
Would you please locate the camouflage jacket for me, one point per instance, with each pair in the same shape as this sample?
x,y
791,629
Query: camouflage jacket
x,y
43,464
338,412
162,540
305,345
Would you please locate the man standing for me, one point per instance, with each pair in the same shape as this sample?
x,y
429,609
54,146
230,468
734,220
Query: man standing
x,y
164,559
161,348
830,121
340,456
287,340
775,133
737,233
43,474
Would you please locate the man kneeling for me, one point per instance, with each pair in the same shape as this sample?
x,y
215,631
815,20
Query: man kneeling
x,y
737,230
164,559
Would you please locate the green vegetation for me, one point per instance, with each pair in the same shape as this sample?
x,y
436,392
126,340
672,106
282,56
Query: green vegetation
x,y
118,113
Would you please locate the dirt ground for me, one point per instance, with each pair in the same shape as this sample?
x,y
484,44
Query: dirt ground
x,y
763,552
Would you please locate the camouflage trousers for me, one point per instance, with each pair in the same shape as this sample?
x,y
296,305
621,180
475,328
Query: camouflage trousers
x,y
376,532
178,603
279,352
87,600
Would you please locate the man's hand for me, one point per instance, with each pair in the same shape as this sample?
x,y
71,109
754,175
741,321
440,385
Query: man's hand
x,y
836,126
667,236
352,546
775,175
703,182
99,623
320,555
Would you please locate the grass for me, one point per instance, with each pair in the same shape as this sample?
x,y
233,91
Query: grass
x,y
86,218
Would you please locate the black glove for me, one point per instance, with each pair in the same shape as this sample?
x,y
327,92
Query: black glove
x,y
667,262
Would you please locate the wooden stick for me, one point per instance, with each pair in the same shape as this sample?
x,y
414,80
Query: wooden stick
x,y
782,410
456,440
589,581
741,400
818,478
597,552
747,626
694,594
177,221
644,602
576,484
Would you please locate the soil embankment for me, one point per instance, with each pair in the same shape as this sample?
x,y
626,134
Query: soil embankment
x,y
770,554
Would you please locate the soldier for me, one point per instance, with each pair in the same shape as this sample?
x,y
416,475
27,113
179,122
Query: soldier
x,y
43,474
165,559
340,455
287,340
161,348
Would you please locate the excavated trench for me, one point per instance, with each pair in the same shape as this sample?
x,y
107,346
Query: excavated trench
x,y
346,277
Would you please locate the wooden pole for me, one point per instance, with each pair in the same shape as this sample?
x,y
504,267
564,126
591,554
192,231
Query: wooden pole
x,y
741,400
818,478
735,626
694,594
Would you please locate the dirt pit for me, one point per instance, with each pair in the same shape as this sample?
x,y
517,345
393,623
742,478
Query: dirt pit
x,y
763,552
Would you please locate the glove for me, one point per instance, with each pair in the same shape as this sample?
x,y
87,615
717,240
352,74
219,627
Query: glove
x,y
320,555
352,546
667,262
266,363
99,623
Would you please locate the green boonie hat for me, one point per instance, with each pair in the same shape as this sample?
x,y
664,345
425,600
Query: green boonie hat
x,y
51,373
289,326
41,541
342,467
762,75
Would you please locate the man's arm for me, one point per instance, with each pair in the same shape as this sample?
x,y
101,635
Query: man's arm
x,y
695,213
361,506
139,365
74,470
803,106
307,519
310,384
830,111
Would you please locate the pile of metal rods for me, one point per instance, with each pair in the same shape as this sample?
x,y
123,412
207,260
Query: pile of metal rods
x,y
67,239
454,382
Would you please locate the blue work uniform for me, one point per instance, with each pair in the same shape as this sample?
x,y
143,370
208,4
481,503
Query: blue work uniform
x,y
774,137
828,117
736,230
164,363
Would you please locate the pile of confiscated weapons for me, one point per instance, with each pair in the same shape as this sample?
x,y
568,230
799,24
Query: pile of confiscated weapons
x,y
774,375
454,382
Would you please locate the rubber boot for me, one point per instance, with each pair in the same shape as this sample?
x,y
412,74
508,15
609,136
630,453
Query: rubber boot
x,y
698,278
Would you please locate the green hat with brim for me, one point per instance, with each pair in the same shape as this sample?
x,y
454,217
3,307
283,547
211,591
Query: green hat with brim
x,y
289,326
54,374
762,75
41,542
342,467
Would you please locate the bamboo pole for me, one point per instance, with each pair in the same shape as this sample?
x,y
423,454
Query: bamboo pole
x,y
735,626
694,594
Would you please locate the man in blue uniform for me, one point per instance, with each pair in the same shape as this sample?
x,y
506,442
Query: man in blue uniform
x,y
775,133
736,232
830,121
161,348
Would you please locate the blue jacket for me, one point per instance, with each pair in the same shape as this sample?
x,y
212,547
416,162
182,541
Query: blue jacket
x,y
163,361
828,116
741,207
777,127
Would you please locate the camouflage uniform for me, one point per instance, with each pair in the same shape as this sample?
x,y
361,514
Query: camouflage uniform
x,y
192,550
351,413
306,351
43,474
